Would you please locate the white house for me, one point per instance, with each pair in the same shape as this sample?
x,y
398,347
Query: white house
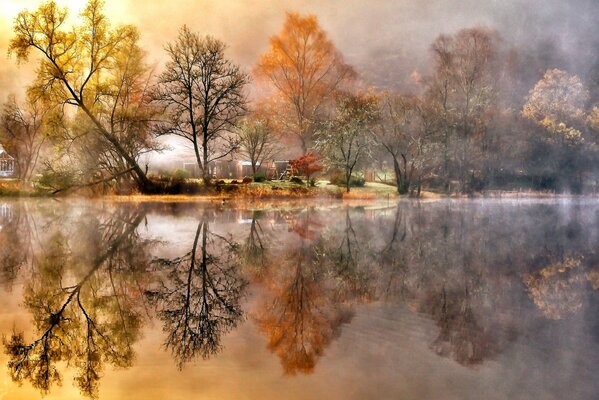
x,y
7,164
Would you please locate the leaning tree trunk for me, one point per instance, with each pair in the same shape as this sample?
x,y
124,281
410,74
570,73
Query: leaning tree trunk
x,y
144,184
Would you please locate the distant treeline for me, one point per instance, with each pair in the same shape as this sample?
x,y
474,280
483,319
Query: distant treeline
x,y
94,112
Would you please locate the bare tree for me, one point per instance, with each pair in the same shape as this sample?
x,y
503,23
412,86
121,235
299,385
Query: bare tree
x,y
22,133
199,299
346,140
257,141
203,93
405,135
463,90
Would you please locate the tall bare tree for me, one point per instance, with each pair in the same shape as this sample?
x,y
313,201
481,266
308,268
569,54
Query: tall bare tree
x,y
346,140
405,134
257,141
463,90
203,93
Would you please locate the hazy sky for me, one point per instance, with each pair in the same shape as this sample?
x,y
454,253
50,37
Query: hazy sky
x,y
385,39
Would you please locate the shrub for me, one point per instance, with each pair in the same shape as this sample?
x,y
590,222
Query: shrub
x,y
354,181
247,180
259,177
296,179
181,174
306,165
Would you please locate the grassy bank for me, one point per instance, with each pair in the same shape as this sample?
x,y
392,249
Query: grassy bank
x,y
195,190
17,188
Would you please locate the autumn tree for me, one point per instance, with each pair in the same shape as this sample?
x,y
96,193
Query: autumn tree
x,y
557,105
83,303
306,165
403,132
257,141
304,69
203,93
23,133
462,91
300,316
346,139
82,67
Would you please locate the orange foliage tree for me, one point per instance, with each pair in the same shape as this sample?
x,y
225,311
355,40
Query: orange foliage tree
x,y
305,69
307,165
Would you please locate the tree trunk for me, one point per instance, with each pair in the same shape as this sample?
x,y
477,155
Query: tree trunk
x,y
206,171
347,179
446,176
144,184
400,179
304,145
197,153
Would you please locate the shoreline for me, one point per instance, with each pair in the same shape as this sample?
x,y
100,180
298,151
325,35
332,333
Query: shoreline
x,y
283,191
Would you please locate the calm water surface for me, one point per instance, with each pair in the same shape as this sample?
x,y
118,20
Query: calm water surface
x,y
438,300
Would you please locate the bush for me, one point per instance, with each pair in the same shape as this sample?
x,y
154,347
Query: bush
x,y
259,177
296,179
247,180
181,174
354,181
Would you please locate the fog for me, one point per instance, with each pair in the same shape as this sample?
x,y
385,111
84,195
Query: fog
x,y
385,40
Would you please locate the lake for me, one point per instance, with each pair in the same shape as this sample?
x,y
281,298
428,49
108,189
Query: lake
x,y
448,299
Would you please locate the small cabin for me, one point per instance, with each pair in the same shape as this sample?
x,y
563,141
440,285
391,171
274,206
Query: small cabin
x,y
7,164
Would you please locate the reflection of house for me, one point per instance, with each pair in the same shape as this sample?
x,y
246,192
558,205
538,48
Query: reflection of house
x,y
7,164
5,215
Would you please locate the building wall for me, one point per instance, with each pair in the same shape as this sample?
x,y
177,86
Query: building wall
x,y
7,166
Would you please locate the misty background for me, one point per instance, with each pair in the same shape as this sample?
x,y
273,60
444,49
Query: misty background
x,y
387,41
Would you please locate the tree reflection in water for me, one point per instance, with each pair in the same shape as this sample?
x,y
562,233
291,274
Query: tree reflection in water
x,y
90,277
93,321
301,315
15,236
199,299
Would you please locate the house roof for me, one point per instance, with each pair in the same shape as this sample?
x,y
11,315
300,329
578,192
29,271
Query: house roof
x,y
4,154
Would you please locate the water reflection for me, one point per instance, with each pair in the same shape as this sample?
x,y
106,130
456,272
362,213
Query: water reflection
x,y
301,313
95,276
82,297
198,300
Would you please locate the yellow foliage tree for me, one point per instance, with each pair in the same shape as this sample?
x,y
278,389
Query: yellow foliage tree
x,y
87,67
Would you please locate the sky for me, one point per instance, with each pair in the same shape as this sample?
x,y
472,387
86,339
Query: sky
x,y
385,40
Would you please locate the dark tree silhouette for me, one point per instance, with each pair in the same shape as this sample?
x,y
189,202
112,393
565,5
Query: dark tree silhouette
x,y
199,299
